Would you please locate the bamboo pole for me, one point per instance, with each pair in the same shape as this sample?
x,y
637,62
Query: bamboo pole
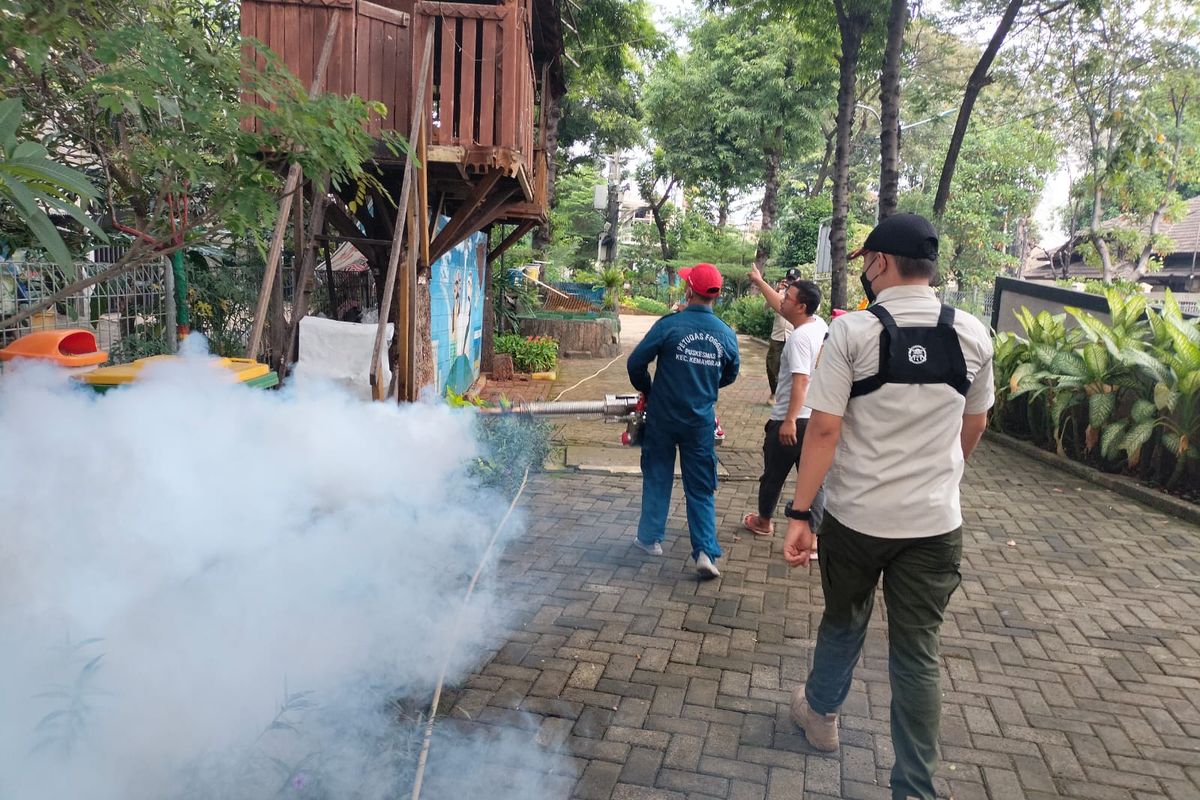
x,y
290,186
389,284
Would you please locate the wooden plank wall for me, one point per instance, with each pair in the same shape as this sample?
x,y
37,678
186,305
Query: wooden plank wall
x,y
384,52
483,76
371,54
482,84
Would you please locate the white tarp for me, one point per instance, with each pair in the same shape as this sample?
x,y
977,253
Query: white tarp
x,y
341,352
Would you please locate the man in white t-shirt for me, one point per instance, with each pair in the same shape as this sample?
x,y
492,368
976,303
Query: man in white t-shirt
x,y
779,333
784,431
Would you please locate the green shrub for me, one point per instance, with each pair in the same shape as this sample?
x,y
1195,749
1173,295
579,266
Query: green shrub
x,y
749,315
1123,396
510,444
529,353
647,304
143,342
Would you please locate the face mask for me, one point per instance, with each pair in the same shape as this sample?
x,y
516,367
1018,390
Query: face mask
x,y
866,285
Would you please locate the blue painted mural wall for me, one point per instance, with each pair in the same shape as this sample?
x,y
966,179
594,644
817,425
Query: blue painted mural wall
x,y
456,293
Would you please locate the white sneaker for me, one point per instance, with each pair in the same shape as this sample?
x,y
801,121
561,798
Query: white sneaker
x,y
706,567
654,549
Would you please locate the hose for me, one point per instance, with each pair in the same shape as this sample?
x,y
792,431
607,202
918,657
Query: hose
x,y
588,378
419,778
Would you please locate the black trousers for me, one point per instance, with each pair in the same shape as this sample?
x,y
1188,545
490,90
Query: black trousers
x,y
778,462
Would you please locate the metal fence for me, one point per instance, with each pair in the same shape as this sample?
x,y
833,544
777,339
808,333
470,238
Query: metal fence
x,y
977,302
128,313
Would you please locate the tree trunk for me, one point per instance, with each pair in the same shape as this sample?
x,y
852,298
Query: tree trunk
x,y
553,109
1143,258
723,211
819,184
979,79
770,204
889,111
1095,234
660,222
852,29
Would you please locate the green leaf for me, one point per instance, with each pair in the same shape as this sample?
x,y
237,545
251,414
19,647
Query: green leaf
x,y
1151,366
11,112
1100,408
37,221
1045,353
1059,405
1095,357
1110,436
1189,384
1138,435
1164,397
1067,362
1173,442
1143,410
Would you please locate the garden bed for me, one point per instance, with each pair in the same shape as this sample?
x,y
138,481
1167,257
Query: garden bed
x,y
1121,397
578,336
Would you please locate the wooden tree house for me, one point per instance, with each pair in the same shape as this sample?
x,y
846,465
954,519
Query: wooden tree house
x,y
472,124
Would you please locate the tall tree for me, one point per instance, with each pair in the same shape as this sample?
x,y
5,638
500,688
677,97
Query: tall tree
x,y
1131,82
889,110
1036,12
855,20
607,43
769,78
697,143
655,185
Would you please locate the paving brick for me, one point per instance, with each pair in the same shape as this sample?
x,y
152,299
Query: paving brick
x,y
667,700
743,790
593,722
693,782
731,768
641,767
598,781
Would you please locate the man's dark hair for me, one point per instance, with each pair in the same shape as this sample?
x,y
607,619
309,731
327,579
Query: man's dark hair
x,y
916,267
808,293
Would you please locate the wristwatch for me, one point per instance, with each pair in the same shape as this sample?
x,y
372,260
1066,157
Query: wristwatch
x,y
792,513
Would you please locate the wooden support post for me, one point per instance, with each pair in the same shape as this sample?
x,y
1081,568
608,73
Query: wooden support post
x,y
488,213
406,389
511,239
389,284
330,289
307,268
479,193
290,186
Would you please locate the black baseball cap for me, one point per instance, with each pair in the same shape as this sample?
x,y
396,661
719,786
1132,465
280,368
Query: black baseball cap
x,y
792,274
909,235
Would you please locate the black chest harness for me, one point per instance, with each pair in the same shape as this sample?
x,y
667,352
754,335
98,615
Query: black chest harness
x,y
926,355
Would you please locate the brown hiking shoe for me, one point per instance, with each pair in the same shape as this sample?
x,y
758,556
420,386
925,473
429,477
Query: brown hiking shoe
x,y
821,730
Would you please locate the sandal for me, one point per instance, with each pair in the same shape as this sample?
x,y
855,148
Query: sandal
x,y
769,531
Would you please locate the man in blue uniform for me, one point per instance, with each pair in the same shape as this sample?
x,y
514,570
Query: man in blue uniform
x,y
696,355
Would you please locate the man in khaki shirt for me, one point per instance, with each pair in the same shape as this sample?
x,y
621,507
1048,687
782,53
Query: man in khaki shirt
x,y
899,400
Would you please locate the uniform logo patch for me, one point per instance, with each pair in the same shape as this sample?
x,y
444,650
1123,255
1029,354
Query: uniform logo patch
x,y
917,354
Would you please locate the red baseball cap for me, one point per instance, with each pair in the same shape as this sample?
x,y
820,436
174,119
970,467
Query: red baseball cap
x,y
702,278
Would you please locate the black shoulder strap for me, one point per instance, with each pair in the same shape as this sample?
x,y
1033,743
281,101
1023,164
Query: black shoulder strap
x,y
868,385
881,314
958,364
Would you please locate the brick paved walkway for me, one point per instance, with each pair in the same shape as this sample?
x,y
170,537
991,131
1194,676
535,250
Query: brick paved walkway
x,y
1071,654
